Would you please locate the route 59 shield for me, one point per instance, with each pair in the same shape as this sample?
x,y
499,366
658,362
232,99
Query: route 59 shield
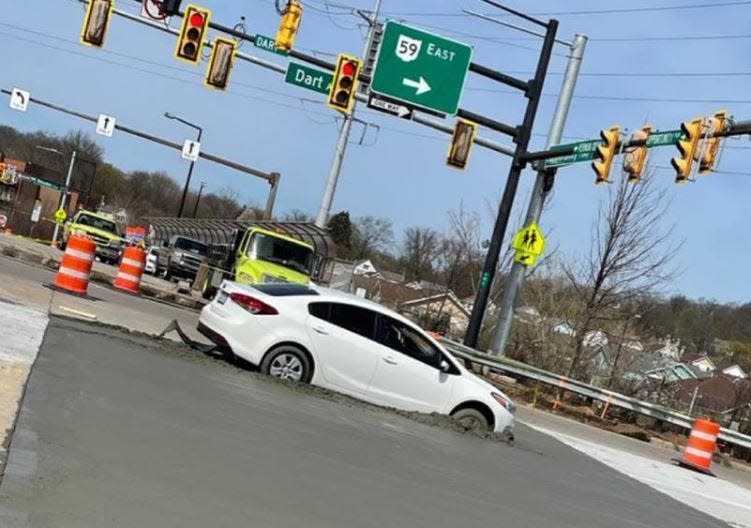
x,y
408,49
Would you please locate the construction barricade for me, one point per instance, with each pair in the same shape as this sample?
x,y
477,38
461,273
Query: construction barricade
x,y
701,445
131,269
75,268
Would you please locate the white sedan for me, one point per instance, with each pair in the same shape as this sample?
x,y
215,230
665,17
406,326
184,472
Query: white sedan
x,y
151,260
350,345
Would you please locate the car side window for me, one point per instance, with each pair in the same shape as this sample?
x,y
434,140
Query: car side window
x,y
407,340
355,319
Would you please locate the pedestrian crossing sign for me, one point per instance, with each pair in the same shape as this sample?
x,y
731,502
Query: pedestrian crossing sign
x,y
529,244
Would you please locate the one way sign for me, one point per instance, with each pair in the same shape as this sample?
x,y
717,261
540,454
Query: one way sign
x,y
390,107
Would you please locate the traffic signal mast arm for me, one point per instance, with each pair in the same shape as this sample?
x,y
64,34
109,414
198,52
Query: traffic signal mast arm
x,y
737,128
497,76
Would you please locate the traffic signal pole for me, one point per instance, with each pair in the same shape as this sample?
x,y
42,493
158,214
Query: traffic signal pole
x,y
518,162
543,186
324,210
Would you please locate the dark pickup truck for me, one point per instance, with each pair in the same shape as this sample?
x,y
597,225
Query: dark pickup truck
x,y
180,257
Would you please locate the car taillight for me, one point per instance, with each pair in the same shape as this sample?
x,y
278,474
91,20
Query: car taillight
x,y
252,304
508,404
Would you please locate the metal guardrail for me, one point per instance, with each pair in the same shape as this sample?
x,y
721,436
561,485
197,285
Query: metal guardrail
x,y
585,389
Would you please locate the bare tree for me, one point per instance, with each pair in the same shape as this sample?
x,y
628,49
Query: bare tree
x,y
371,235
420,251
631,254
296,215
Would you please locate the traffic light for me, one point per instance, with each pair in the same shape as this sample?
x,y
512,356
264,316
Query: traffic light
x,y
461,144
194,28
96,22
711,147
220,65
605,153
636,157
687,146
291,19
344,84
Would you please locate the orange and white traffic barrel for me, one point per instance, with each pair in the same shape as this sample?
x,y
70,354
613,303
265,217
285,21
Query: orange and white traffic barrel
x,y
131,269
75,268
701,445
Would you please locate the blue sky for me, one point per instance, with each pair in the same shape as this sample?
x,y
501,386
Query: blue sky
x,y
398,172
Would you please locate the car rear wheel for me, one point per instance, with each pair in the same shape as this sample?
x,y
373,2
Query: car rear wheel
x,y
287,362
471,419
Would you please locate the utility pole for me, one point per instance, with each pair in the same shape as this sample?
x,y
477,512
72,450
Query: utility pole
x,y
198,198
543,185
341,145
533,94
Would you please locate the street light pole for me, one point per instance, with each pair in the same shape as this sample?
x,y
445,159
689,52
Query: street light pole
x,y
198,199
192,163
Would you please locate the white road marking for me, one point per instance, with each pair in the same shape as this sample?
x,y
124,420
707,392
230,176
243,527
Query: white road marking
x,y
713,496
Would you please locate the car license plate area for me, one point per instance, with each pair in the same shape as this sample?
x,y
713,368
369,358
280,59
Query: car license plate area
x,y
222,297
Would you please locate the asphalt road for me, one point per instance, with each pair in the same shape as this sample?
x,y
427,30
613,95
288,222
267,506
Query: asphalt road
x,y
119,430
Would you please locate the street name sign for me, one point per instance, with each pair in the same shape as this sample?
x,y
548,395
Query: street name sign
x,y
387,106
583,151
307,77
668,137
268,44
421,68
191,150
105,125
19,99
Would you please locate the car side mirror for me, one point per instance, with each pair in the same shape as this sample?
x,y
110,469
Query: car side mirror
x,y
444,366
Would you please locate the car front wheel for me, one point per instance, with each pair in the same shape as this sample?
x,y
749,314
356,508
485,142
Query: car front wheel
x,y
287,362
471,419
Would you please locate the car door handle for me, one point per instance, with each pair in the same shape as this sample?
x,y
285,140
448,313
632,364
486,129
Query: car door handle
x,y
390,360
321,330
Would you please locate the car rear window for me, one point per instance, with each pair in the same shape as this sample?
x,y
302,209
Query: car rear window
x,y
278,289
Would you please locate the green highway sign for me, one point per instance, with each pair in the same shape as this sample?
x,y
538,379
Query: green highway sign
x,y
583,151
421,68
268,44
307,77
658,139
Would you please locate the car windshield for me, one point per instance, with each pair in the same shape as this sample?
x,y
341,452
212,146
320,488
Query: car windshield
x,y
193,246
282,252
98,223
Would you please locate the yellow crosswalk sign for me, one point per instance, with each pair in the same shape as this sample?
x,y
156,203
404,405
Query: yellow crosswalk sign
x,y
529,244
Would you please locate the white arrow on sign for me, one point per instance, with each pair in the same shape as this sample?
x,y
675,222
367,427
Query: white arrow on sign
x,y
19,99
191,150
422,85
105,125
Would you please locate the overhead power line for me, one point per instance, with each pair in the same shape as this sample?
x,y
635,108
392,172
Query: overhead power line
x,y
673,7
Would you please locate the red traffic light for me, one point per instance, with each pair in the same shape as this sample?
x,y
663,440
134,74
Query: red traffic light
x,y
349,68
196,19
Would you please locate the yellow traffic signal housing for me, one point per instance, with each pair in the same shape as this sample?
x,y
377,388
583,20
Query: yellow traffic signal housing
x,y
687,146
290,24
636,157
220,65
344,84
192,34
605,153
96,22
461,144
711,147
